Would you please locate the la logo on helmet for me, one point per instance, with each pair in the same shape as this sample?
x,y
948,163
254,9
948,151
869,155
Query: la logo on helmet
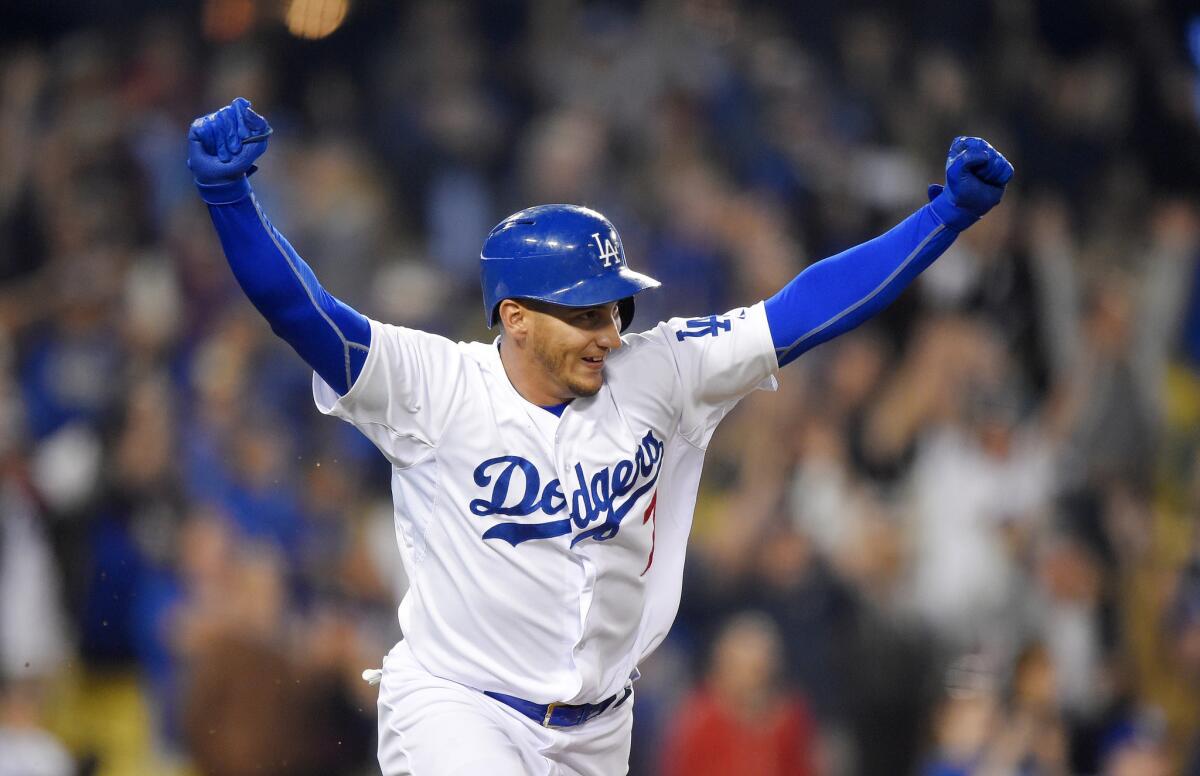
x,y
608,251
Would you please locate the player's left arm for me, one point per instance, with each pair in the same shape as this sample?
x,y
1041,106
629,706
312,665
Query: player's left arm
x,y
840,292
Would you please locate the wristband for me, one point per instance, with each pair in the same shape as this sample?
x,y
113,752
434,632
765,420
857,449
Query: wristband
x,y
224,192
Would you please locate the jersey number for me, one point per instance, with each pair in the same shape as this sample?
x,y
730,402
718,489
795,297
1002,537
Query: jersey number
x,y
704,327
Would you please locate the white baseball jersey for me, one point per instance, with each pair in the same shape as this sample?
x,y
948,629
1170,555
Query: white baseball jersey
x,y
545,553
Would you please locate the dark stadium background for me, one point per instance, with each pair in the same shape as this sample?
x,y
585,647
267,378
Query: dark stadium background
x,y
960,540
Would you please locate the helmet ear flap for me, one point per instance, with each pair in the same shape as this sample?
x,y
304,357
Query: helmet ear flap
x,y
625,308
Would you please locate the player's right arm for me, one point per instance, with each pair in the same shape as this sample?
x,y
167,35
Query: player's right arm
x,y
330,336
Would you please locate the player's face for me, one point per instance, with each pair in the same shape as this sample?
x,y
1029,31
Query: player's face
x,y
570,345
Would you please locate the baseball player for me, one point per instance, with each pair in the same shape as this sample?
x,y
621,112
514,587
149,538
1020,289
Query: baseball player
x,y
544,482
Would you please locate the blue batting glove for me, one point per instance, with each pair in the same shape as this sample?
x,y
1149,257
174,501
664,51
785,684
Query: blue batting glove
x,y
222,146
976,175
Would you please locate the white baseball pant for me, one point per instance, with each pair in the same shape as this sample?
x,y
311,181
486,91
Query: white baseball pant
x,y
434,727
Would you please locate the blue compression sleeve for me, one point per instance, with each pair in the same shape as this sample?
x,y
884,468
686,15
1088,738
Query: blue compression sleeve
x,y
835,295
331,336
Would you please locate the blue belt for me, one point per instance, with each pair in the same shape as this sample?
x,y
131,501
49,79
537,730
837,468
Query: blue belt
x,y
561,714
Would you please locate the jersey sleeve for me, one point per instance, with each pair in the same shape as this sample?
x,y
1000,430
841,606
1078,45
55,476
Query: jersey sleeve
x,y
402,399
719,359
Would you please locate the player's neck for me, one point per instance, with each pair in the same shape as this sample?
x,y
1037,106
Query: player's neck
x,y
527,376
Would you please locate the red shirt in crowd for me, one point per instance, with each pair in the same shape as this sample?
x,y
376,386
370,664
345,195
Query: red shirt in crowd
x,y
708,737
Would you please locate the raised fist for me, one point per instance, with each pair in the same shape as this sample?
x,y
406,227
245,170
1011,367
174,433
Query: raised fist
x,y
976,175
223,145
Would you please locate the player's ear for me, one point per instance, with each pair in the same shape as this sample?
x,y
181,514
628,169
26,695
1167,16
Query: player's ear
x,y
514,317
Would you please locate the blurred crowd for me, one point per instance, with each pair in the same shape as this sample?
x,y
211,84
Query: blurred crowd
x,y
961,540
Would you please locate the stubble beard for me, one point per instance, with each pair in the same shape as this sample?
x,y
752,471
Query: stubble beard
x,y
558,365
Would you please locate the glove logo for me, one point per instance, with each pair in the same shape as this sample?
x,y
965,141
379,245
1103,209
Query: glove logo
x,y
608,251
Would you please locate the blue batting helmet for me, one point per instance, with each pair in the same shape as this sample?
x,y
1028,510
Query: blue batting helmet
x,y
561,254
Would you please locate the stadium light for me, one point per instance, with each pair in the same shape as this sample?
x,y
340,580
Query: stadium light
x,y
315,19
